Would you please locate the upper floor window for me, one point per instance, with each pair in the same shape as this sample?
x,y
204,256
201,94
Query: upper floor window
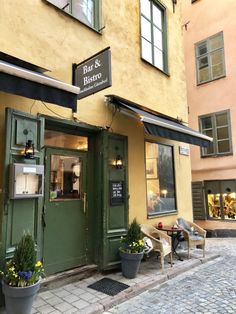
x,y
217,126
160,179
210,58
153,34
87,11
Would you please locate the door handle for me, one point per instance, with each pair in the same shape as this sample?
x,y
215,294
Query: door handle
x,y
85,201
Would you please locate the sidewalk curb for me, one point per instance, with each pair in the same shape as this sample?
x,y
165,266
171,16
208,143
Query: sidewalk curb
x,y
138,288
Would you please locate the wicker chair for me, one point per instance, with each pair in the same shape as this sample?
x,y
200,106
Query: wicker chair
x,y
193,234
161,242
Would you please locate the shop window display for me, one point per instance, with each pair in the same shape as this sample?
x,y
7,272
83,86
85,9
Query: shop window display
x,y
222,206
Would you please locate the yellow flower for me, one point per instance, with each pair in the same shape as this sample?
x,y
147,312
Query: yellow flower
x,y
38,264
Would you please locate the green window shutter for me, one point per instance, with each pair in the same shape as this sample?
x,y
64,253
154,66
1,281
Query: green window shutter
x,y
199,212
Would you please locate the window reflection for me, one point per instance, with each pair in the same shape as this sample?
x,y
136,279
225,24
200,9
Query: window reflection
x,y
66,174
160,179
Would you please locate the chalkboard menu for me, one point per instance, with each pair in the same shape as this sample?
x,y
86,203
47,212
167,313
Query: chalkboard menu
x,y
116,192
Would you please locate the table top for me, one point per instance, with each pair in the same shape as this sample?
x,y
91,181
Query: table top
x,y
170,228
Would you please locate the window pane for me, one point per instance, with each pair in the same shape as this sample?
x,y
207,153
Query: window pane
x,y
146,50
203,63
229,201
223,146
217,64
204,75
215,42
222,133
206,123
157,16
202,49
145,8
221,119
160,179
208,133
64,140
158,58
214,206
209,150
157,38
65,179
146,29
84,11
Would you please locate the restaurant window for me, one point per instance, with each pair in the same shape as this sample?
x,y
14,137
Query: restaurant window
x,y
86,11
210,58
160,180
217,126
221,199
153,34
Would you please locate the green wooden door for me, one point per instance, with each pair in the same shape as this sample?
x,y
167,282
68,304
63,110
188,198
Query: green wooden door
x,y
64,215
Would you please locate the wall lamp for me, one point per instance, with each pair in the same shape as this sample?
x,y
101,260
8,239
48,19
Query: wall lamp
x,y
29,150
119,162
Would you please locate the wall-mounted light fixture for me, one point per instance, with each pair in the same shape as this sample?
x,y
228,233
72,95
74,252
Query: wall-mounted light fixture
x,y
119,162
29,150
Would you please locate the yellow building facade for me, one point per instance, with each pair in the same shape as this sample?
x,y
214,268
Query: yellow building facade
x,y
145,45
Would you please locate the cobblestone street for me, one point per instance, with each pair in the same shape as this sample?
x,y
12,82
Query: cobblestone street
x,y
208,288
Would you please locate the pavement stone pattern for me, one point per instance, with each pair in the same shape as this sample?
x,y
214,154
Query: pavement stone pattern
x,y
209,288
199,285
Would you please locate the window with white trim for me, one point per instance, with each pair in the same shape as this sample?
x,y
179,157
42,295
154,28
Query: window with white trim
x,y
217,126
153,33
86,11
210,58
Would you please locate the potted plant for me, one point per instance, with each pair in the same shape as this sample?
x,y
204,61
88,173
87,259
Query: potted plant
x,y
21,277
131,250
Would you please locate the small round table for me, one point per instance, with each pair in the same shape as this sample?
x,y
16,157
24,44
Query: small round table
x,y
174,233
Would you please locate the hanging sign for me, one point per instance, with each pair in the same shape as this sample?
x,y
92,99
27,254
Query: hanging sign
x,y
93,74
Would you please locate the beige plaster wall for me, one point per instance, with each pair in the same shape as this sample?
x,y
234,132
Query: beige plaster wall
x,y
206,20
39,33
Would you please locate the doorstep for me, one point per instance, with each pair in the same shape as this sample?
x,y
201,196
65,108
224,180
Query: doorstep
x,y
69,276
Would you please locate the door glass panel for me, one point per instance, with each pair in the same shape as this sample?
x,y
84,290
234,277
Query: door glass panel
x,y
64,140
65,178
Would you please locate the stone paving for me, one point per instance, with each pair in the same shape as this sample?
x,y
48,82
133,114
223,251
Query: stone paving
x,y
208,288
198,285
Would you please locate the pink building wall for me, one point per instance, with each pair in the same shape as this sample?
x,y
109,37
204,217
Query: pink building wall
x,y
206,18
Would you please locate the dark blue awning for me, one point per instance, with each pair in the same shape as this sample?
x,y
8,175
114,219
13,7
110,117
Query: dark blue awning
x,y
161,125
29,83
